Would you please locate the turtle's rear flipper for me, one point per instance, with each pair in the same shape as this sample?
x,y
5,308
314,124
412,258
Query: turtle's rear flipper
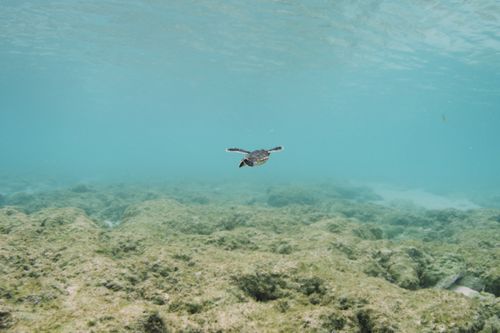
x,y
237,150
275,149
246,161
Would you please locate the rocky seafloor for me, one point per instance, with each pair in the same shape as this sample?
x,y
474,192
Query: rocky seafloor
x,y
227,258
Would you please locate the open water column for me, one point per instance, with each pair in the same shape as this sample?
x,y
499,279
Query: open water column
x,y
368,197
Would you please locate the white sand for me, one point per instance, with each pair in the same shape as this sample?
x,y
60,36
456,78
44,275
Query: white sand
x,y
417,197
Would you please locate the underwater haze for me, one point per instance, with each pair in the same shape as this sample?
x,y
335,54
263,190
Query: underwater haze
x,y
400,92
122,211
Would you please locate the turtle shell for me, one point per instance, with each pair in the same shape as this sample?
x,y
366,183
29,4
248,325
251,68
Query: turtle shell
x,y
258,157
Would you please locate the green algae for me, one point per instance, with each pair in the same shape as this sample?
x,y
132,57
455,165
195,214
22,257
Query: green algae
x,y
234,264
6,320
262,286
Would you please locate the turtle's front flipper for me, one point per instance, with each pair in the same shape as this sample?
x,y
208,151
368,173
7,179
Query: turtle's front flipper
x,y
279,148
242,163
237,150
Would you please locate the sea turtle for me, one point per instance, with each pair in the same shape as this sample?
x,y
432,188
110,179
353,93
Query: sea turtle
x,y
256,157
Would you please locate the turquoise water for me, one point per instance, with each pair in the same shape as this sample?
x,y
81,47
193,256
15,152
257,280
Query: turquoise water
x,y
405,92
121,211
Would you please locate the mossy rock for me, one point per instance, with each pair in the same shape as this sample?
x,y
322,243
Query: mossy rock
x,y
412,268
444,271
113,213
230,241
333,321
282,305
335,227
20,199
112,285
153,323
67,275
122,248
81,188
199,199
472,281
370,322
492,281
28,203
446,216
56,217
290,196
347,248
313,285
491,325
495,218
375,269
282,247
262,287
232,221
12,220
6,319
403,266
392,232
404,273
368,232
407,219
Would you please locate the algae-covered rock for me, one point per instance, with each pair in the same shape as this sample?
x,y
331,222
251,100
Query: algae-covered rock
x,y
313,285
153,323
282,247
404,272
6,319
369,322
492,281
407,219
472,281
11,220
491,325
347,248
335,227
262,287
81,188
332,321
495,218
403,266
446,216
164,217
412,268
370,232
373,268
27,202
178,265
290,196
444,271
232,241
232,221
58,217
121,248
323,321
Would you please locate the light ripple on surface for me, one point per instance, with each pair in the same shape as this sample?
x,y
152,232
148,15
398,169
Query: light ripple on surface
x,y
268,34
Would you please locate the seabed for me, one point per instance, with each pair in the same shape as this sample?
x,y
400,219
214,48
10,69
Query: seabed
x,y
239,258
